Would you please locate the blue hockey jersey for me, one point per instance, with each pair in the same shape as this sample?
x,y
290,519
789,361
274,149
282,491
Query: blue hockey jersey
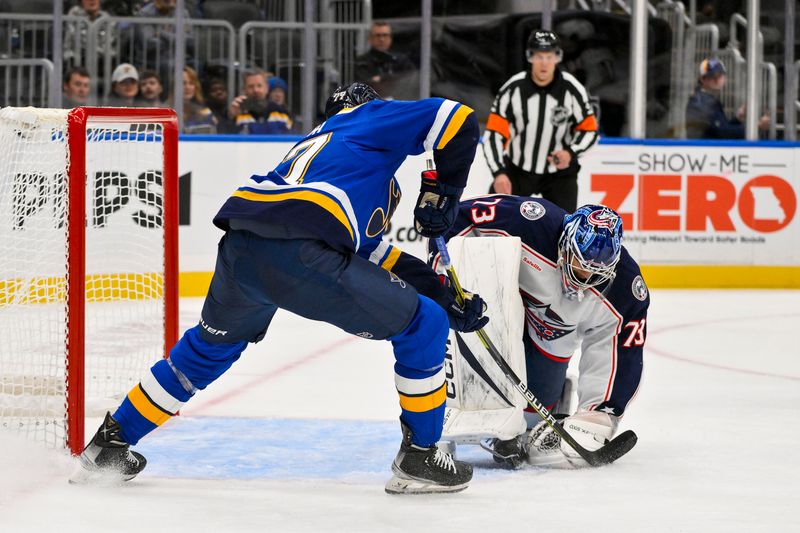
x,y
338,183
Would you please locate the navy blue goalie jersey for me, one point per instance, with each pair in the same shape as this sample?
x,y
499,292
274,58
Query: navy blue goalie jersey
x,y
609,325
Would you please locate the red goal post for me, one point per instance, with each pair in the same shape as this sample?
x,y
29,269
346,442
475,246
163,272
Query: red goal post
x,y
88,261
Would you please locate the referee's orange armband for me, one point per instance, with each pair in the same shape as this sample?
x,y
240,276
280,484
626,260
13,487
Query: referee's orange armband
x,y
497,123
588,124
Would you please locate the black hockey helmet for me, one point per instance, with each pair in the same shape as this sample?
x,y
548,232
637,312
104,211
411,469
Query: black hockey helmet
x,y
542,41
349,96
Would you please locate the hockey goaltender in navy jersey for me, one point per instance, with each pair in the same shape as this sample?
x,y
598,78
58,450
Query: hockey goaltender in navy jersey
x,y
306,238
607,323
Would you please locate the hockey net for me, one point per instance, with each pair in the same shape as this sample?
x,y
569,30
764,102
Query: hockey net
x,y
88,262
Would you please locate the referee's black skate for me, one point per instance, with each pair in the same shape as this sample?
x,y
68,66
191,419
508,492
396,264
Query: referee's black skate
x,y
107,458
420,470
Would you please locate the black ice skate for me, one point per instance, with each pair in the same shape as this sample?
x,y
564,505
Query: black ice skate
x,y
420,470
107,458
509,453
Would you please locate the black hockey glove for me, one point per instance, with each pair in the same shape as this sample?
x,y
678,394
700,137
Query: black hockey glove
x,y
437,206
464,318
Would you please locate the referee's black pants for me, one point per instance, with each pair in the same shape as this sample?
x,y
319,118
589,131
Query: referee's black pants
x,y
560,187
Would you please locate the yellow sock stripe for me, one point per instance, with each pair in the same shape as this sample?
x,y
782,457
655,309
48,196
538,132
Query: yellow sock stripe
x,y
426,402
391,259
146,407
454,125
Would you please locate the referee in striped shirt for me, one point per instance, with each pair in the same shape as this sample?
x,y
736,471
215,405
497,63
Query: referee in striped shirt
x,y
540,123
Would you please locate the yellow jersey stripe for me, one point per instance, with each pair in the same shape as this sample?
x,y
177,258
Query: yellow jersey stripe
x,y
390,261
306,195
147,408
454,125
420,404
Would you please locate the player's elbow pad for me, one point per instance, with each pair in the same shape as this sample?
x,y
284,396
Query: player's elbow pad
x,y
455,158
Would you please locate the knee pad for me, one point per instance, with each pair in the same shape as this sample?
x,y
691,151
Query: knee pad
x,y
200,361
421,345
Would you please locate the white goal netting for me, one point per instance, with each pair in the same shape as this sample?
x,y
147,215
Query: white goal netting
x,y
124,320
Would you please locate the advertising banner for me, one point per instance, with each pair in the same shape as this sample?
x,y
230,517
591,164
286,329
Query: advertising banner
x,y
700,204
682,204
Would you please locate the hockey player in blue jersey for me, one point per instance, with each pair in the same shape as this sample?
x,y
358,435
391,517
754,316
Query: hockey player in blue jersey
x,y
580,290
306,237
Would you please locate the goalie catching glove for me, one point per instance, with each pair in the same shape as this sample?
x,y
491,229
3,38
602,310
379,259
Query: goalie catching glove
x,y
437,206
464,318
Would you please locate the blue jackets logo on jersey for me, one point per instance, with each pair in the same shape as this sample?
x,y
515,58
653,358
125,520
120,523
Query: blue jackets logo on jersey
x,y
551,327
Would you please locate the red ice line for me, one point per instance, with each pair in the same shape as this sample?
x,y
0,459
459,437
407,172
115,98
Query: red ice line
x,y
258,380
650,349
316,354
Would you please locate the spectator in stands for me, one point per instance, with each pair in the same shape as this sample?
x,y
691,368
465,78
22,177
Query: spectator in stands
x,y
150,90
705,116
255,86
277,90
124,86
75,88
76,35
380,67
253,111
217,100
197,117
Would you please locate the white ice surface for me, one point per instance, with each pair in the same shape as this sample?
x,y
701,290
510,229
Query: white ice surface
x,y
300,433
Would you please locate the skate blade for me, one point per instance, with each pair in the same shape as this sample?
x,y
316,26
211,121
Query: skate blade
x,y
88,474
404,484
398,485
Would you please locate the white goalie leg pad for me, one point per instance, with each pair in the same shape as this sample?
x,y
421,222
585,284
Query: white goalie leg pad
x,y
590,429
481,401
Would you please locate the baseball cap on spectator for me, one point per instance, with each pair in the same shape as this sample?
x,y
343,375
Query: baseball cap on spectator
x,y
278,83
124,71
711,67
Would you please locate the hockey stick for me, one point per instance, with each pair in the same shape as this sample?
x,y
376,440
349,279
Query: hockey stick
x,y
608,453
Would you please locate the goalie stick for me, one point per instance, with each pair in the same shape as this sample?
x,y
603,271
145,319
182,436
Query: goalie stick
x,y
606,454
